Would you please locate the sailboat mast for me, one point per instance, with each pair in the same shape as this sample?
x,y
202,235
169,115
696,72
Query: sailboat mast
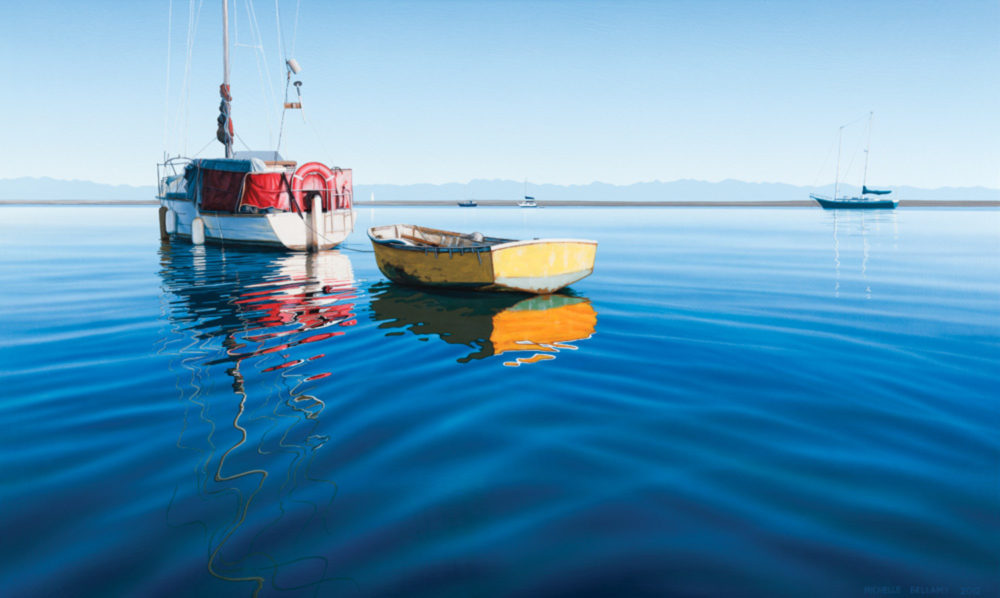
x,y
225,72
836,178
868,146
225,42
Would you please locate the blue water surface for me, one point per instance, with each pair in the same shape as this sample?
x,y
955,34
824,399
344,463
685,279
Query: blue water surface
x,y
738,402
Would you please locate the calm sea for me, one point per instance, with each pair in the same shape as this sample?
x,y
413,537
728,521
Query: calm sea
x,y
739,402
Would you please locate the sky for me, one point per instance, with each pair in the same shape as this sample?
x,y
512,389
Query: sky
x,y
557,91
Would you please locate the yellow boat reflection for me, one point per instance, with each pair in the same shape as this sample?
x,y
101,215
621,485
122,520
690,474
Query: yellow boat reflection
x,y
535,328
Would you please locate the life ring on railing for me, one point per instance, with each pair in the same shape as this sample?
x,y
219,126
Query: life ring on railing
x,y
312,178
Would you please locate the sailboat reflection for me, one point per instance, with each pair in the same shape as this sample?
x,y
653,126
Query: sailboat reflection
x,y
536,327
263,321
849,227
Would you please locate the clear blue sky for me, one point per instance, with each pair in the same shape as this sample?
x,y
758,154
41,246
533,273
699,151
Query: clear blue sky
x,y
555,91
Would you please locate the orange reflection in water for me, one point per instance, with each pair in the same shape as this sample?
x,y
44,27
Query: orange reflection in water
x,y
494,324
543,324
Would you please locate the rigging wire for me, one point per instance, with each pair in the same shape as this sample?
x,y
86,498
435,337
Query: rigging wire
x,y
829,152
249,149
166,87
263,70
854,156
277,24
183,113
288,79
204,147
319,138
295,29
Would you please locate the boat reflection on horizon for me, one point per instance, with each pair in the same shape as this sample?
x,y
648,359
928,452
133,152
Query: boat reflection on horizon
x,y
536,327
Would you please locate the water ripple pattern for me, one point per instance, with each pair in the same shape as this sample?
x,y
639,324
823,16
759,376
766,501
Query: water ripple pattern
x,y
738,402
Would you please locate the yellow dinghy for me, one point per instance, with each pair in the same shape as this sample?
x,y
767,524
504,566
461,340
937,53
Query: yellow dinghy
x,y
418,255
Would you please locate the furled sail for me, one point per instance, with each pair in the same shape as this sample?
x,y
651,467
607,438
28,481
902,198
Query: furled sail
x,y
225,132
866,191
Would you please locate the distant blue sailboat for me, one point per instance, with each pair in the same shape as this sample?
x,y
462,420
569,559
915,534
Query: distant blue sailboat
x,y
862,202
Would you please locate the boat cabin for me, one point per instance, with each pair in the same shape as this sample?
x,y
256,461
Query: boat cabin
x,y
248,184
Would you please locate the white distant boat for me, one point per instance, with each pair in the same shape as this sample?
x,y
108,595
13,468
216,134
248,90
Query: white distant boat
x,y
529,201
254,198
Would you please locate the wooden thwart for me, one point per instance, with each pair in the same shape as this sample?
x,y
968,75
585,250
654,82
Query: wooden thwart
x,y
419,240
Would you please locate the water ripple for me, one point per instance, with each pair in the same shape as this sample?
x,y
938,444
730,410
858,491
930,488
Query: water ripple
x,y
737,402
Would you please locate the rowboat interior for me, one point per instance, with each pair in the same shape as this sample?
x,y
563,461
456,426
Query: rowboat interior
x,y
408,235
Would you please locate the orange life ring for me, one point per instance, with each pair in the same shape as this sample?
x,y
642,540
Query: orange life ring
x,y
310,178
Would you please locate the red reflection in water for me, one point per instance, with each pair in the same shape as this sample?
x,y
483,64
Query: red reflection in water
x,y
310,296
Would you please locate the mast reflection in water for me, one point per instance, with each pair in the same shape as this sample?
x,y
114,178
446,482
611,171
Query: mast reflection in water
x,y
533,327
259,323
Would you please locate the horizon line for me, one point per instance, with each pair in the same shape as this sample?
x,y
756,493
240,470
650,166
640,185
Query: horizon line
x,y
502,180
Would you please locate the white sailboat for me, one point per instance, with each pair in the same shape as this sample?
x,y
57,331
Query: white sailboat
x,y
863,201
529,201
254,198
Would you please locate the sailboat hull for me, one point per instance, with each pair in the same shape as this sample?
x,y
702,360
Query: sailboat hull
x,y
282,230
854,203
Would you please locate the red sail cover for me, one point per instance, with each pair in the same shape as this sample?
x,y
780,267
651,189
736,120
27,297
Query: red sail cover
x,y
220,190
266,190
225,182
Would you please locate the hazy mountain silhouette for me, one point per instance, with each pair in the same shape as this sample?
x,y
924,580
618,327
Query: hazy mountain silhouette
x,y
35,189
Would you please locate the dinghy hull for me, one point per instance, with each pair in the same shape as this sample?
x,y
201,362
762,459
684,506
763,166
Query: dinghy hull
x,y
427,257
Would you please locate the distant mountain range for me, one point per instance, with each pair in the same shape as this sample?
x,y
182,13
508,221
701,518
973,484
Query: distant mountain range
x,y
682,190
45,188
36,189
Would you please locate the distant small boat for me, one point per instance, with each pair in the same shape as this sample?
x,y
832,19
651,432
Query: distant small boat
x,y
469,203
424,256
862,202
529,201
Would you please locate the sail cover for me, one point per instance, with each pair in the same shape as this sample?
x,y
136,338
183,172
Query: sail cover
x,y
222,183
867,191
225,132
227,185
266,190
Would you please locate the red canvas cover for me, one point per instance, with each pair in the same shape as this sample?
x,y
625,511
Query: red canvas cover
x,y
344,186
220,190
266,190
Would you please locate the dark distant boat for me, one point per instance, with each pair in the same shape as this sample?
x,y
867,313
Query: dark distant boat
x,y
864,201
469,203
848,203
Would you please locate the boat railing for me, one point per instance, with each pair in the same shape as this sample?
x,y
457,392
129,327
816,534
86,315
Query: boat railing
x,y
167,170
